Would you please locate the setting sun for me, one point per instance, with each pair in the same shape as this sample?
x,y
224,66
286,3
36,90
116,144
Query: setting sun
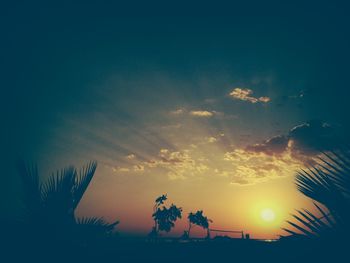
x,y
268,215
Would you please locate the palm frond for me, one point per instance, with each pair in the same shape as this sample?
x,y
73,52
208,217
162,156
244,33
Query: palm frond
x,y
31,185
312,221
328,183
338,165
52,203
82,181
310,224
306,221
96,224
300,228
57,193
293,233
325,215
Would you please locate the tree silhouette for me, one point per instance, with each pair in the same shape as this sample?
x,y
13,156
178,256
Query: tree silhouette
x,y
50,206
328,183
164,218
198,219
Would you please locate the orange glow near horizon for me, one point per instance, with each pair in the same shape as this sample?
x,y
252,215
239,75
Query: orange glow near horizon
x,y
230,208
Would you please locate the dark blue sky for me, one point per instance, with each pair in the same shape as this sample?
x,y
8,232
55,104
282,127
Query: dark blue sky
x,y
91,71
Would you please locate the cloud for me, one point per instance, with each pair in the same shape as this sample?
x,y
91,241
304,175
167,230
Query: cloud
x,y
130,156
314,136
168,158
304,141
163,151
254,167
120,169
211,139
278,156
201,113
138,168
274,145
177,164
281,155
264,99
177,111
176,158
246,95
236,155
175,176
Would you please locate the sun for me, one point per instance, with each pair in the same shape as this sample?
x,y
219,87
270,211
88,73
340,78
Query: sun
x,y
268,215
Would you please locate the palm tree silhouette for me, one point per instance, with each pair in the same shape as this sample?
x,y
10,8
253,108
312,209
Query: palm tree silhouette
x,y
50,206
328,184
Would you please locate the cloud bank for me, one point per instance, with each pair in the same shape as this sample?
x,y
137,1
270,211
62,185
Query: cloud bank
x,y
246,95
278,156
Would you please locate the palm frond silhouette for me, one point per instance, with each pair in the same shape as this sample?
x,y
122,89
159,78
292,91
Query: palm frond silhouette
x,y
51,205
328,184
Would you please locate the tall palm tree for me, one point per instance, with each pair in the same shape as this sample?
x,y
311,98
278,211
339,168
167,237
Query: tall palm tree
x,y
50,206
328,184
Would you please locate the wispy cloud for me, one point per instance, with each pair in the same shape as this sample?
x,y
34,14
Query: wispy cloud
x,y
252,167
211,139
138,168
201,113
246,95
273,146
120,169
196,113
179,164
130,156
177,111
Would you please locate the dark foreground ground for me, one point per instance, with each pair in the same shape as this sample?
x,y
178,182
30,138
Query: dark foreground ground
x,y
170,251
23,245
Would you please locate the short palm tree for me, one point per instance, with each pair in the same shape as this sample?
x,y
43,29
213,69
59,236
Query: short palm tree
x,y
328,184
50,206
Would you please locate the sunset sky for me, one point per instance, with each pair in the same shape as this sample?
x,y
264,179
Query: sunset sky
x,y
217,107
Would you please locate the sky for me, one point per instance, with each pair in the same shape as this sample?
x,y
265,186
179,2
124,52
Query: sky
x,y
216,105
